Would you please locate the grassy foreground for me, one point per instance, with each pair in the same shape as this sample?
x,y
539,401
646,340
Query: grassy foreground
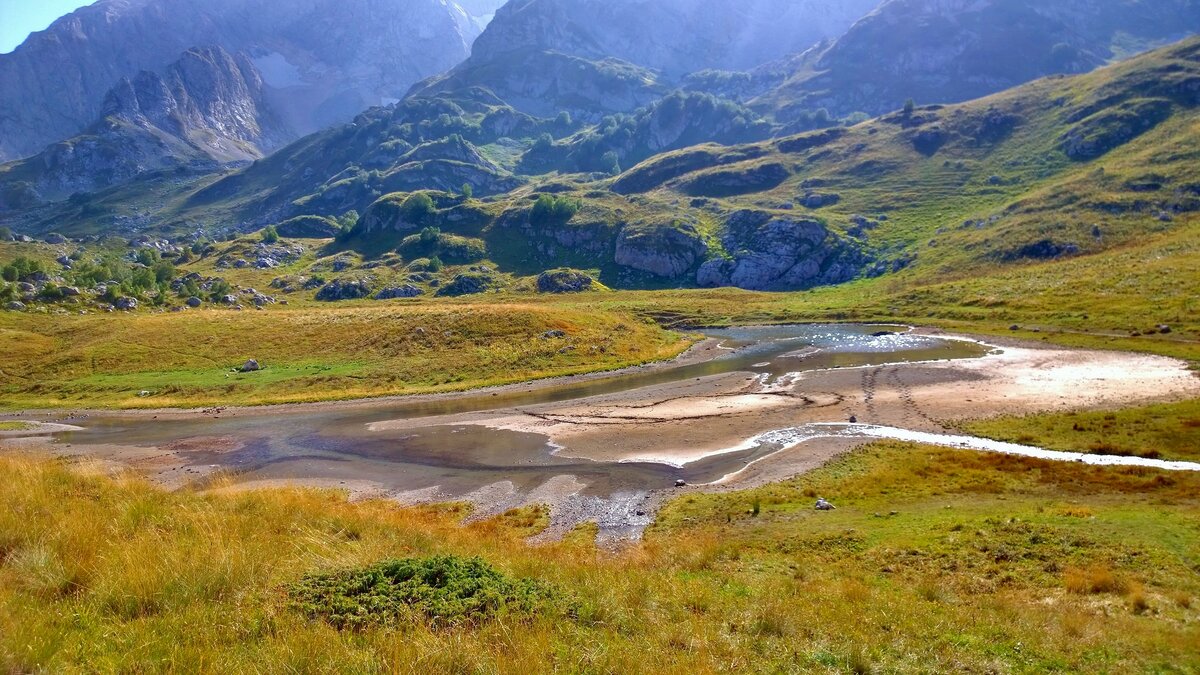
x,y
936,560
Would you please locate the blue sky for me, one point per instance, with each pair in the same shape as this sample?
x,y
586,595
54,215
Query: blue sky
x,y
19,18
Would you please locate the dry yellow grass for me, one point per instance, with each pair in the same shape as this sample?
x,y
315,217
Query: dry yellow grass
x,y
107,574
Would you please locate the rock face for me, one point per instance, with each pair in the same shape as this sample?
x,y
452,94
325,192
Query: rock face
x,y
208,108
776,253
603,56
323,60
664,250
942,51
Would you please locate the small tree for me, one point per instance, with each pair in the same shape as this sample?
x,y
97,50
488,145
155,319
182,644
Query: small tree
x,y
270,235
467,191
910,106
610,163
5,233
418,209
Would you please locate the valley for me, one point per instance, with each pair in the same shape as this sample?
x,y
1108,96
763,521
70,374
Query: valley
x,y
601,336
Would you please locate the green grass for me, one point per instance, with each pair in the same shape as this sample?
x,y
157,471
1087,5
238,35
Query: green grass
x,y
1169,431
15,426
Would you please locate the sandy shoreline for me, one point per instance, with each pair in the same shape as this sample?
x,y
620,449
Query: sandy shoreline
x,y
683,422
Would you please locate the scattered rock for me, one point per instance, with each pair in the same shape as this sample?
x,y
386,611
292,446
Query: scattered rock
x,y
126,304
680,483
553,334
15,306
823,505
194,302
251,366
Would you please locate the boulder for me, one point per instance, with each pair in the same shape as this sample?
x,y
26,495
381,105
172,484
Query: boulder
x,y
823,505
126,304
469,283
308,227
405,291
564,281
194,302
344,289
251,366
55,238
15,306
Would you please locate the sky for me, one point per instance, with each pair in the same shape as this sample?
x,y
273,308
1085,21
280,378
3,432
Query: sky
x,y
19,18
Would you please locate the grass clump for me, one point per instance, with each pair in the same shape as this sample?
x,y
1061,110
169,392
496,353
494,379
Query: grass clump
x,y
441,590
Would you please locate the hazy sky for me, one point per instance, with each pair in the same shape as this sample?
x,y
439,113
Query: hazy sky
x,y
19,18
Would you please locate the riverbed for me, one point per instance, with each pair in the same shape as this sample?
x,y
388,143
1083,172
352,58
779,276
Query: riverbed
x,y
763,404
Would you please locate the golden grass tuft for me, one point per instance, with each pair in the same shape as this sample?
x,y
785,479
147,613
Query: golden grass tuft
x,y
1093,580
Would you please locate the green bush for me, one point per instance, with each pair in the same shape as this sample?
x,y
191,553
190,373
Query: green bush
x,y
21,268
270,235
418,209
553,210
442,591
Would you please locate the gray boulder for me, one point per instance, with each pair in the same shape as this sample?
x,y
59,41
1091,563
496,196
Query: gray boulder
x,y
405,291
564,281
823,505
251,366
194,302
344,289
15,306
126,304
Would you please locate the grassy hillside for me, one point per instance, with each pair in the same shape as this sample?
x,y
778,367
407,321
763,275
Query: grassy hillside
x,y
935,560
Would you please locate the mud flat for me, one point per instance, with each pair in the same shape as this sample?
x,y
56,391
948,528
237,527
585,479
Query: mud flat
x,y
751,405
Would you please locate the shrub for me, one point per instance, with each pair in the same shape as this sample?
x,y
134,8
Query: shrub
x,y
270,235
443,590
553,210
21,268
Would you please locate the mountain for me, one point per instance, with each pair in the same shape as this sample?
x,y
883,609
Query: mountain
x,y
943,51
322,61
600,56
206,110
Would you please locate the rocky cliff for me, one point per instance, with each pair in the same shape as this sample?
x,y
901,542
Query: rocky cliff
x,y
541,55
323,60
942,51
207,109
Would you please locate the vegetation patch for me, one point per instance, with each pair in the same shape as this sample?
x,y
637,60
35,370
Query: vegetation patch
x,y
442,590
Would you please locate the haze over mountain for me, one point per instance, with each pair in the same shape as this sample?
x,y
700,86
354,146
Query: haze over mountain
x,y
322,61
587,55
944,51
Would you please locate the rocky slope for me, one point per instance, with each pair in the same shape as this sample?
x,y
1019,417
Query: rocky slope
x,y
207,109
323,61
941,51
617,55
